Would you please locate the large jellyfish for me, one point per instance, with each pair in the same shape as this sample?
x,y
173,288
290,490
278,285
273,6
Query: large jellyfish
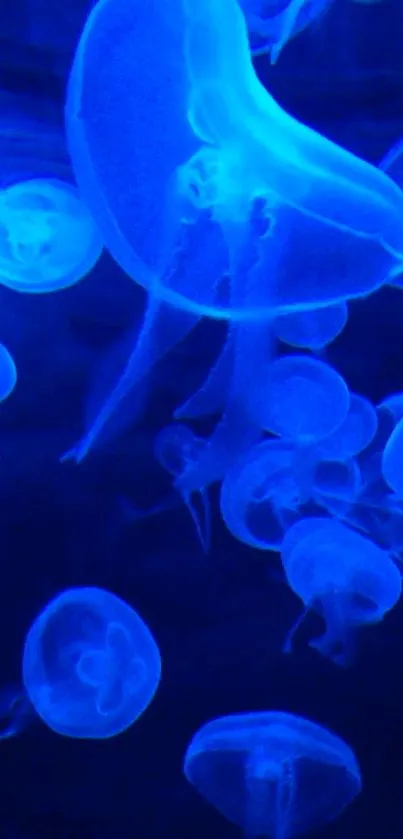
x,y
343,576
211,198
90,664
271,773
172,186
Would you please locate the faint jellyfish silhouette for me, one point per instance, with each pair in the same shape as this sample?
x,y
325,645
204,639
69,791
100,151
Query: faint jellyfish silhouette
x,y
392,460
272,773
343,576
300,398
260,497
176,447
393,404
90,665
16,712
8,373
314,329
172,187
355,432
336,485
272,23
48,240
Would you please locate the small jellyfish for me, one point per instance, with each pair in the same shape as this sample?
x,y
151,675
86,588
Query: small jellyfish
x,y
272,773
300,398
176,448
8,373
90,664
48,239
354,434
392,460
260,496
272,23
342,576
312,330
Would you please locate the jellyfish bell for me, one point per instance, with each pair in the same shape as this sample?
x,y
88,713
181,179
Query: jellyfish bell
x,y
174,187
273,774
343,576
48,239
90,664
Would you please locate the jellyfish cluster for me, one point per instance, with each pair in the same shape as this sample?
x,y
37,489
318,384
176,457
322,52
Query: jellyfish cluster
x,y
220,207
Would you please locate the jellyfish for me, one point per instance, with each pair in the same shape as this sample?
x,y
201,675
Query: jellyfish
x,y
48,239
90,664
342,576
272,773
8,373
173,165
355,432
193,200
272,23
175,448
260,497
392,460
300,398
314,329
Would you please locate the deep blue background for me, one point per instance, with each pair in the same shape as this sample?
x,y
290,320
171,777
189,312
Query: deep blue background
x,y
219,621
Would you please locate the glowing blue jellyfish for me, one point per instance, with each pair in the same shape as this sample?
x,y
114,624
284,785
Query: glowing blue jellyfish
x,y
176,447
343,576
260,495
354,434
272,23
300,398
392,460
213,186
8,373
48,240
271,773
90,664
312,330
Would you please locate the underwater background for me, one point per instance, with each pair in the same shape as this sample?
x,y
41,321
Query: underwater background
x,y
219,620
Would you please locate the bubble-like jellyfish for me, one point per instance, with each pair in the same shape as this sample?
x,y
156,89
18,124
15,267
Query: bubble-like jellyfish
x,y
260,496
272,23
354,433
8,373
312,330
174,141
48,239
392,460
272,773
342,576
90,665
176,447
300,398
